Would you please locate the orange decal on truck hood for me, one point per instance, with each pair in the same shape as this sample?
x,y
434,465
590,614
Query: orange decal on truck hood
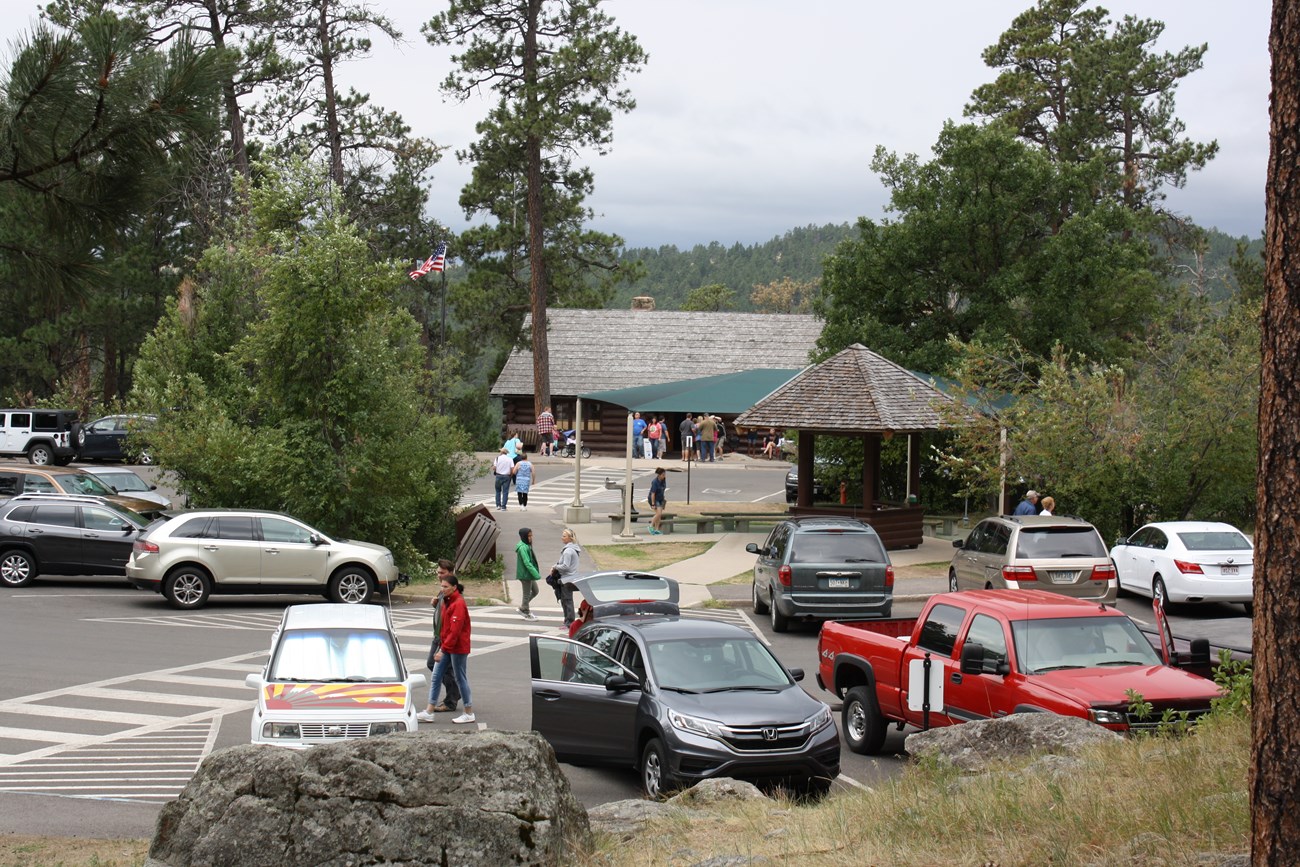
x,y
315,696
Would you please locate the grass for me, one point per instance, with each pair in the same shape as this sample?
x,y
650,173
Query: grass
x,y
20,850
1143,800
647,557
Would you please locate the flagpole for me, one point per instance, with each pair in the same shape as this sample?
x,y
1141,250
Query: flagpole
x,y
442,335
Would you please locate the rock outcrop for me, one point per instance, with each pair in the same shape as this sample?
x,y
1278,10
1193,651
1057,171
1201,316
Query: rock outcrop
x,y
975,747
488,798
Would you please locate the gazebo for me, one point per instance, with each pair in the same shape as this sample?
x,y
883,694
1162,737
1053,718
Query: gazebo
x,y
862,394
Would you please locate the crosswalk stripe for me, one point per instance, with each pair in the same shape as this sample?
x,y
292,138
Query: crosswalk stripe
x,y
90,714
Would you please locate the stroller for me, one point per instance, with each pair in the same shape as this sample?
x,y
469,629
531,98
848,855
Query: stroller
x,y
570,444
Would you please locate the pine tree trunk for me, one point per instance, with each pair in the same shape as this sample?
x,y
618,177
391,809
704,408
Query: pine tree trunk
x,y
1275,760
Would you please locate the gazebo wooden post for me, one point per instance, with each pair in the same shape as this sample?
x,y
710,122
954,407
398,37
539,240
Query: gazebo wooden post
x,y
804,459
913,466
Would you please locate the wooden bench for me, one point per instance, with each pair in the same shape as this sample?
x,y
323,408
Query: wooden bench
x,y
616,520
741,522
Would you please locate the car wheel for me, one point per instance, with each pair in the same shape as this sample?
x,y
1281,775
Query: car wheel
x,y
187,587
351,585
1250,608
40,454
790,498
952,581
1158,592
17,568
146,459
780,623
656,780
864,727
81,436
760,608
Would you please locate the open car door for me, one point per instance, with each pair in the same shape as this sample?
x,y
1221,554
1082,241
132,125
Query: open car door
x,y
584,701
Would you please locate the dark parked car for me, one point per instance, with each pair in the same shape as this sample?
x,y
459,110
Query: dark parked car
x,y
681,700
57,534
106,439
792,486
821,569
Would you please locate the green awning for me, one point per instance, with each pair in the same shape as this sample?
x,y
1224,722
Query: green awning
x,y
729,393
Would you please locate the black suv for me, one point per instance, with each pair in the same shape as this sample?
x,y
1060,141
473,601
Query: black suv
x,y
45,436
821,569
680,699
58,534
106,438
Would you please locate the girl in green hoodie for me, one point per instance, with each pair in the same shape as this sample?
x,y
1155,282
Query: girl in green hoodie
x,y
526,570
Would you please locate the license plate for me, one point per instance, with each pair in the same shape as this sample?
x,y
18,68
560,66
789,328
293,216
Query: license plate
x,y
838,583
1059,577
1228,570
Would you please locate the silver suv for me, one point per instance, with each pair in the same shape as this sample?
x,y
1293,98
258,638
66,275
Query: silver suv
x,y
190,556
1061,554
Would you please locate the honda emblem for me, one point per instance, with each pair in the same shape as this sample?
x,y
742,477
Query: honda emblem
x,y
769,734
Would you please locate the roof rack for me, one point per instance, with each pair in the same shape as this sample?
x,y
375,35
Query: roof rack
x,y
61,498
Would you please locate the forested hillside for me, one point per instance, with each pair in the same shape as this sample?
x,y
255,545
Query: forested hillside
x,y
670,273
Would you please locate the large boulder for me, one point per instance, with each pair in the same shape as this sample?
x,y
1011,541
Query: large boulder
x,y
975,747
486,798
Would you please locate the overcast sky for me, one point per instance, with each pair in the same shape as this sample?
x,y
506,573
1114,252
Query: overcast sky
x,y
754,117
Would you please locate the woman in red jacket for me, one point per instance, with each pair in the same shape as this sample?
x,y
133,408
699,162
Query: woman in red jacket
x,y
454,651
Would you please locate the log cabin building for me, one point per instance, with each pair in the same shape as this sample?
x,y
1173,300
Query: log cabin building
x,y
604,350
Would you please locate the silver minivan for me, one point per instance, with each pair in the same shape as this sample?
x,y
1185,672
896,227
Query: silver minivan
x,y
816,568
1061,554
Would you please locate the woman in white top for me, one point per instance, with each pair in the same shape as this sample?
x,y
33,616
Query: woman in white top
x,y
1048,504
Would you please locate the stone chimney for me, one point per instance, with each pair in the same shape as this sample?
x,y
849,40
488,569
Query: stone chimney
x,y
643,302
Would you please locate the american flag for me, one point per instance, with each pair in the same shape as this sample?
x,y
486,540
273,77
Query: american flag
x,y
436,262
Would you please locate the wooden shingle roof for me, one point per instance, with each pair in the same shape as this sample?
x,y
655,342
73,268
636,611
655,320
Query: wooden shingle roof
x,y
601,350
854,391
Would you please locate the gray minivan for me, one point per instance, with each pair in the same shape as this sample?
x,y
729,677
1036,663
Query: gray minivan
x,y
817,568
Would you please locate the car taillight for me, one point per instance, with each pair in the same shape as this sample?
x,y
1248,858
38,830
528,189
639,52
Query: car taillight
x,y
1188,568
785,575
1103,572
144,547
889,576
1019,573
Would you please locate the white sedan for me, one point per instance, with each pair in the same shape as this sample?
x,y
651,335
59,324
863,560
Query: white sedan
x,y
1187,561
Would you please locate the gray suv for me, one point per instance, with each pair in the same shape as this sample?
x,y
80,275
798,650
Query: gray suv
x,y
1044,552
680,699
821,569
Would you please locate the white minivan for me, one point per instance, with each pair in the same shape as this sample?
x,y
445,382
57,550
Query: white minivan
x,y
335,673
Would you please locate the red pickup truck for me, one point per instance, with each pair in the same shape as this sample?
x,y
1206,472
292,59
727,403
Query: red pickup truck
x,y
989,653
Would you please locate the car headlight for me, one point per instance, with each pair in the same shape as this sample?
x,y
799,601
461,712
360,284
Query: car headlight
x,y
697,725
386,728
1106,717
819,720
281,730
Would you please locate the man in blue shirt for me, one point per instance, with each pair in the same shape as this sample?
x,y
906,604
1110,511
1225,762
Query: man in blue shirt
x,y
638,428
658,499
1029,505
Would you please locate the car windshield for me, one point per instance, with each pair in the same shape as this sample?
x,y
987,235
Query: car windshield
x,y
715,664
123,481
321,655
1039,543
1218,540
1080,642
85,483
832,546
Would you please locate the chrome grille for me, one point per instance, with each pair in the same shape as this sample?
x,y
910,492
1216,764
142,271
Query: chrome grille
x,y
1153,721
334,731
752,739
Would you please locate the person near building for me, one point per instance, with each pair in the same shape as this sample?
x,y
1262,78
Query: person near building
x,y
1049,506
567,571
451,692
654,433
546,431
684,434
1029,505
502,468
514,447
638,435
526,571
707,442
523,473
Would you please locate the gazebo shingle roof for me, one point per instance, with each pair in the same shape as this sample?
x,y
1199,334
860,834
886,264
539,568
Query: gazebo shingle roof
x,y
854,391
600,350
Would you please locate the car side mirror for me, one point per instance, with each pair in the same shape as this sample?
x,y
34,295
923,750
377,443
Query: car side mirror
x,y
316,539
972,658
620,683
1122,540
153,487
797,674
127,529
1198,652
416,681
959,543
253,680
752,548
